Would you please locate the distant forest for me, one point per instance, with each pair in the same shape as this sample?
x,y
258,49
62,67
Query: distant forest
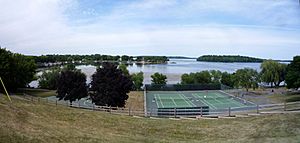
x,y
229,59
95,58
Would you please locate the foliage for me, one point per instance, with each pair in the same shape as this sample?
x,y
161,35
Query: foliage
x,y
227,79
228,58
71,85
137,79
48,80
216,76
293,73
273,72
124,69
109,86
153,59
246,78
158,78
16,70
203,77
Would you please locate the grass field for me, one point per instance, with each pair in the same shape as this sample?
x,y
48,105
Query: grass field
x,y
24,121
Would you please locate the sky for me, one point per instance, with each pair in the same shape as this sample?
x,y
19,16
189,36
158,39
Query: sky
x,y
260,28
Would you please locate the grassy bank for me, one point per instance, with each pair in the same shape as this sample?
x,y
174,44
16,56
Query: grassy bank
x,y
23,121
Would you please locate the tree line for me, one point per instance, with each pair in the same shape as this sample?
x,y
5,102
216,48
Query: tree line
x,y
229,58
94,58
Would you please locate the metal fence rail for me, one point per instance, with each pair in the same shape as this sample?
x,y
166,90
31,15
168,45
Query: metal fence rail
x,y
176,112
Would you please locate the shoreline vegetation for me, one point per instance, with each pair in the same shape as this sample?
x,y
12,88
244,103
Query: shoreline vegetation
x,y
96,59
229,59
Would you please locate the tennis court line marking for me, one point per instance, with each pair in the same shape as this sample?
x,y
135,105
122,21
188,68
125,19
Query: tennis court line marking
x,y
236,97
156,96
205,102
229,101
190,104
173,101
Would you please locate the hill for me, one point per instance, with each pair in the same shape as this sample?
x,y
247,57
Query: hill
x,y
26,121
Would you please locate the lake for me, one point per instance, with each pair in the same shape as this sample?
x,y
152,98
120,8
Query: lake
x,y
173,69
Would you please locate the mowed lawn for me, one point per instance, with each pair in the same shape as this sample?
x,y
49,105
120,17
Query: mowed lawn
x,y
24,121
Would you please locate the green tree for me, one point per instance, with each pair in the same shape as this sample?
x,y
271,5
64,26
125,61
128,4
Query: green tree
x,y
48,80
71,85
293,73
110,86
158,78
216,76
203,77
137,79
246,78
227,79
124,69
188,78
16,70
272,72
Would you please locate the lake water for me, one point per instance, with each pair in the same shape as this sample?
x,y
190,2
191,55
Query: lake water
x,y
174,69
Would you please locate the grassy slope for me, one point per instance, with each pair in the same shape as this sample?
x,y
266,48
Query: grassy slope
x,y
23,121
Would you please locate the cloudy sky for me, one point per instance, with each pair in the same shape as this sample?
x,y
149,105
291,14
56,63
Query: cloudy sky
x,y
261,28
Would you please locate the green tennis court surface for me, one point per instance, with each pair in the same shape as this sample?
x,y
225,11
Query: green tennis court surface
x,y
181,99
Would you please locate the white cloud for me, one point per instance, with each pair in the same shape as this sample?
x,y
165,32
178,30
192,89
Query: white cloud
x,y
44,27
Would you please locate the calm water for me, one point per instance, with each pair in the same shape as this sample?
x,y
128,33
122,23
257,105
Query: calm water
x,y
173,69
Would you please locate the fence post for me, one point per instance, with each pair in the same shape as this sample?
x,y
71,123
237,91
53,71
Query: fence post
x,y
56,102
229,111
257,109
284,108
201,111
129,110
174,112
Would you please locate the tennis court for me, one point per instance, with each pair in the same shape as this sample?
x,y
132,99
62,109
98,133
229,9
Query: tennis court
x,y
214,100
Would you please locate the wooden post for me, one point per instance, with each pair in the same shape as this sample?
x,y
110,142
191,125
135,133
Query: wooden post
x,y
201,111
129,110
56,102
174,112
257,109
229,110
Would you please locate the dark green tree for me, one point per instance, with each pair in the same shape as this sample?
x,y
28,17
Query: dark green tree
x,y
293,73
71,85
188,78
48,80
16,70
203,77
158,78
110,86
227,79
137,79
246,78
